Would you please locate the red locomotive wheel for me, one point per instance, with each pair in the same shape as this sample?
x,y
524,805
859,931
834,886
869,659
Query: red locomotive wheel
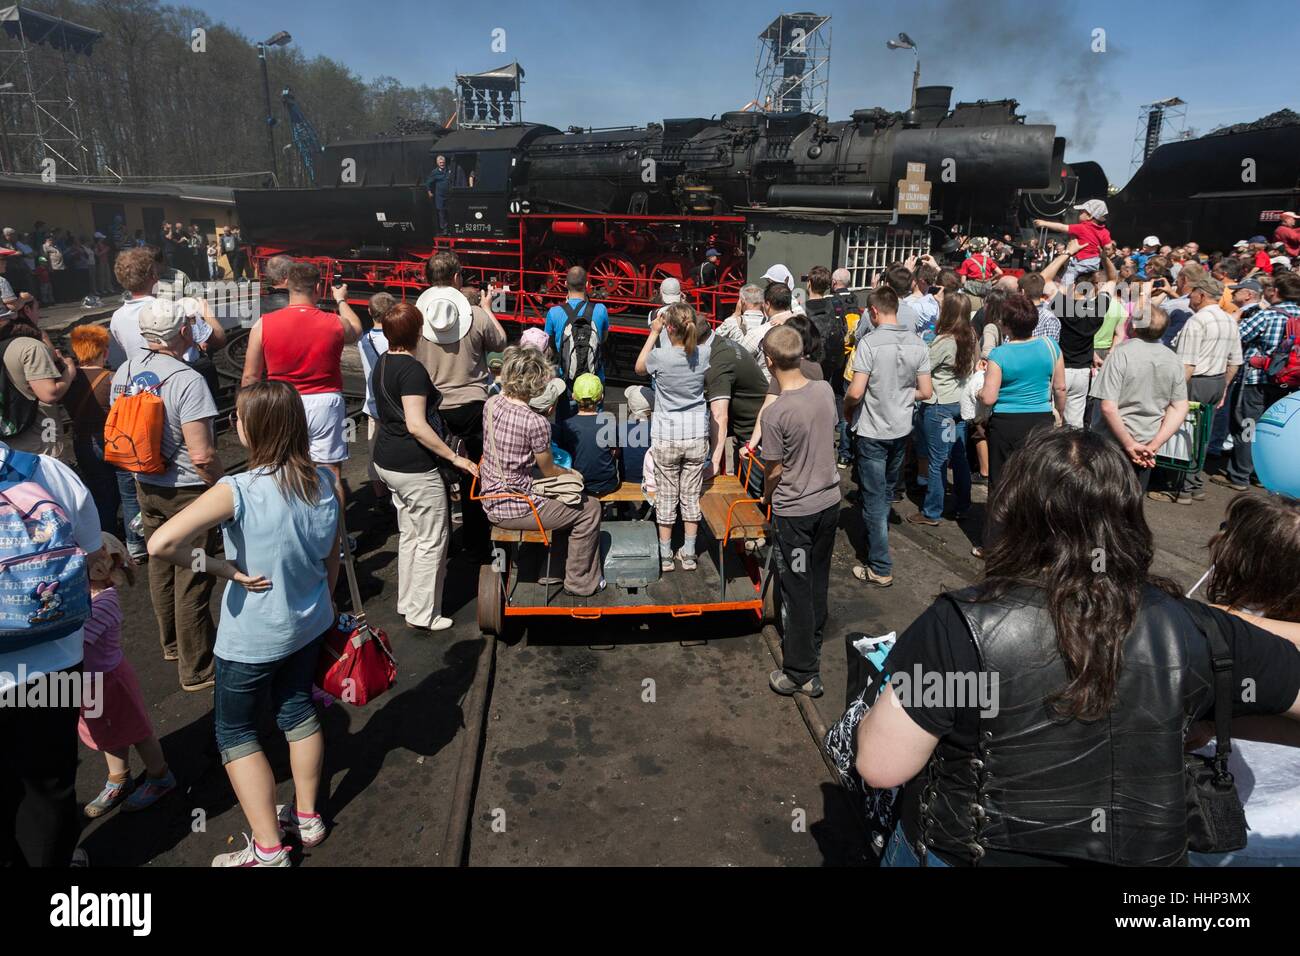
x,y
613,277
546,272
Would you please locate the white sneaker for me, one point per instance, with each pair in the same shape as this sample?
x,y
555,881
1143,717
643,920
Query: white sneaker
x,y
687,560
248,857
309,833
441,623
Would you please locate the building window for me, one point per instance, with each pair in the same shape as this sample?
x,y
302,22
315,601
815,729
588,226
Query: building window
x,y
870,249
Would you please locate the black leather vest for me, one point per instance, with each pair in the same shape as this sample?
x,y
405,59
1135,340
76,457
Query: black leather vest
x,y
1109,791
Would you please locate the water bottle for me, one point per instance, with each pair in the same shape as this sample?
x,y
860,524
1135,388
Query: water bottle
x,y
136,527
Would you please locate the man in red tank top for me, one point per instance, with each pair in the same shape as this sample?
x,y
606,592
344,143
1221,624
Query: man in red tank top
x,y
303,346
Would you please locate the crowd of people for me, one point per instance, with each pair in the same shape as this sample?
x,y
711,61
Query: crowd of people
x,y
1058,383
48,265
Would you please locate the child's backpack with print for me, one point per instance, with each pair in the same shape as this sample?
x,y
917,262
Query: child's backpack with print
x,y
43,580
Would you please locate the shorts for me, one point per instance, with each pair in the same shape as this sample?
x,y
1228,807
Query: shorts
x,y
243,690
325,417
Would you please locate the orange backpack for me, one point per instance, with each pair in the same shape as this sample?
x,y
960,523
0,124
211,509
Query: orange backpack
x,y
133,431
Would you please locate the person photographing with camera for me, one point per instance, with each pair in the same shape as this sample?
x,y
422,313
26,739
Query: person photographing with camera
x,y
302,345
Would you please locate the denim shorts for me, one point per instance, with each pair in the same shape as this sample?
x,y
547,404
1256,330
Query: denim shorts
x,y
241,692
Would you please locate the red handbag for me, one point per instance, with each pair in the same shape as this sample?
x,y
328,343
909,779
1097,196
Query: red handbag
x,y
356,661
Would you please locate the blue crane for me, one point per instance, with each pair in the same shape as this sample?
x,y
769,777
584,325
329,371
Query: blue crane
x,y
304,135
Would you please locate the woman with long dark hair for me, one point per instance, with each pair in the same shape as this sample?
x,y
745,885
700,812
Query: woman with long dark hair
x,y
953,356
1038,718
281,524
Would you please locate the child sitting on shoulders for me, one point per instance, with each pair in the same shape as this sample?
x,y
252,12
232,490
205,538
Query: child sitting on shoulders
x,y
117,719
590,437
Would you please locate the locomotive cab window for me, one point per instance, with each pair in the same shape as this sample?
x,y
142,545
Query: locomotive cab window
x,y
464,171
487,171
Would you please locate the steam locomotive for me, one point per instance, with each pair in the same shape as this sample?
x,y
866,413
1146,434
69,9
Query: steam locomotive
x,y
637,204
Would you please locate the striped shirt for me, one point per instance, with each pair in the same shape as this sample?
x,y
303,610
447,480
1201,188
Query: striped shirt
x,y
1209,342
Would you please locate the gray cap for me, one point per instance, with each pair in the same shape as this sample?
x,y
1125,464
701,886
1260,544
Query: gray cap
x,y
1206,284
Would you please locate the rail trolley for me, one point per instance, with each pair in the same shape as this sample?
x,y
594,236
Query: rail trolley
x,y
736,574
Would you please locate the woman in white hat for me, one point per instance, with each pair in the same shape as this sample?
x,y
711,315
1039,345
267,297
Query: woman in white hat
x,y
453,349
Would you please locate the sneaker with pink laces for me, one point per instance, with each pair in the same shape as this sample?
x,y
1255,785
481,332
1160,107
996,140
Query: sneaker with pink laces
x,y
248,856
308,831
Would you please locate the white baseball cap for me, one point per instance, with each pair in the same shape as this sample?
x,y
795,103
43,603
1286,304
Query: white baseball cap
x,y
1240,244
1292,214
1151,241
1094,208
670,291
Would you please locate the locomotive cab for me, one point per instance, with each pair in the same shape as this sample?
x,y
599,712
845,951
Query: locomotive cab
x,y
486,168
477,199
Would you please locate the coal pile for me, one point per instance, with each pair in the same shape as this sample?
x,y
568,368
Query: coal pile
x,y
412,127
1271,121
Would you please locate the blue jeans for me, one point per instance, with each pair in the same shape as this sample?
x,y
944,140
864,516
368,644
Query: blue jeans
x,y
880,461
944,434
900,853
130,508
242,688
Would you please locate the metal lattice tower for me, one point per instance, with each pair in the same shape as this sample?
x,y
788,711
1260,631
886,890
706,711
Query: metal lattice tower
x,y
39,118
494,98
1158,123
794,64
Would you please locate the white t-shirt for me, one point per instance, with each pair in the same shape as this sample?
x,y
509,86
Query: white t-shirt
x,y
65,488
126,341
371,345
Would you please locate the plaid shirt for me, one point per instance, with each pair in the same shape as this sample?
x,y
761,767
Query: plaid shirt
x,y
518,434
1261,333
1048,324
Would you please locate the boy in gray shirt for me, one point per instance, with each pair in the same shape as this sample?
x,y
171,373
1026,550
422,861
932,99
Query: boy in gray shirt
x,y
802,484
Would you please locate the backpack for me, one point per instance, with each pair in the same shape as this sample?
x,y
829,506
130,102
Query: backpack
x,y
17,411
42,570
1283,366
832,323
134,429
580,349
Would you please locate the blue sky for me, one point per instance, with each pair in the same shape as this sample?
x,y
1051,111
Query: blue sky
x,y
617,63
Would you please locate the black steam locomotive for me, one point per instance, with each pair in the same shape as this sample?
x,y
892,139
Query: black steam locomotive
x,y
984,162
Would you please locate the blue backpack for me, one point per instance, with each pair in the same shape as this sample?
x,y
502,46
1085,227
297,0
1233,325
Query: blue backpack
x,y
44,587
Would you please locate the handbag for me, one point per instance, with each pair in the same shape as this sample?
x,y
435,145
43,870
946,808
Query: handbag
x,y
867,677
1216,820
566,488
356,662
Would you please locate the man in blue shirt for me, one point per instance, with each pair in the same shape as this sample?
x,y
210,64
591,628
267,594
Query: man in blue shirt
x,y
437,183
592,357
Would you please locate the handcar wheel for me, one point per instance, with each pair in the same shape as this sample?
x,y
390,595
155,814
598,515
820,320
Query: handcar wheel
x,y
491,601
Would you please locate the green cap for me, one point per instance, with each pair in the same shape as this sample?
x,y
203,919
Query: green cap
x,y
494,359
587,387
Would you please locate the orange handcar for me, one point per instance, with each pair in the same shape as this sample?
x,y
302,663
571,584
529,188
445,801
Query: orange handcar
x,y
741,578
